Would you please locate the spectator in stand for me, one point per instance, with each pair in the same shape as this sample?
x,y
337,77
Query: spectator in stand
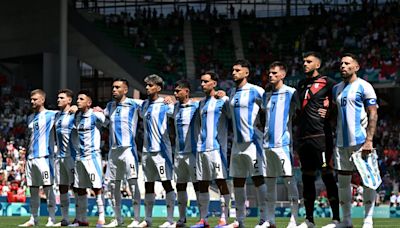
x,y
16,194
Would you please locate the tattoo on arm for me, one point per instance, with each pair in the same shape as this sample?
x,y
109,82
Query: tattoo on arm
x,y
372,121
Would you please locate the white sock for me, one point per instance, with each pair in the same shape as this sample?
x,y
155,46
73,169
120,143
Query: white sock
x,y
51,202
262,200
204,201
149,199
100,206
271,199
182,204
240,200
83,206
64,204
35,202
345,197
115,190
77,214
170,203
293,195
369,196
134,187
225,201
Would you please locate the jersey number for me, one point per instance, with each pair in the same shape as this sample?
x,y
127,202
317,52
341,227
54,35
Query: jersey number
x,y
92,177
218,167
343,101
45,175
255,164
273,105
162,170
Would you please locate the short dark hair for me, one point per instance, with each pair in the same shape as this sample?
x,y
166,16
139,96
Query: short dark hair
x,y
154,79
351,55
123,80
40,92
183,83
244,63
313,53
214,75
67,92
85,92
279,64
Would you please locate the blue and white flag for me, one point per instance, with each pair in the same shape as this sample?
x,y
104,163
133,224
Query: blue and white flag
x,y
368,168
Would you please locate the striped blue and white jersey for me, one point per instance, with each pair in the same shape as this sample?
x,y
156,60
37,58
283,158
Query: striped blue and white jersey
x,y
280,106
214,126
187,126
352,120
245,103
41,134
64,126
87,136
123,118
155,123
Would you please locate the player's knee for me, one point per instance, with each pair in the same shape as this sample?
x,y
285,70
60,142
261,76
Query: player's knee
x,y
203,186
81,191
258,180
167,186
181,187
196,186
326,171
63,189
149,187
239,182
222,186
97,191
308,172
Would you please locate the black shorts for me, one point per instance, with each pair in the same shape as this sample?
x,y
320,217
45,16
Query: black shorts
x,y
315,153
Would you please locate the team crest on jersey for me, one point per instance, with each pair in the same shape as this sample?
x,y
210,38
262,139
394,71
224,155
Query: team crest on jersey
x,y
148,116
81,127
36,125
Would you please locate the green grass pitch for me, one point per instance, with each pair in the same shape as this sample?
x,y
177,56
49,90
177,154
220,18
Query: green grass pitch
x,y
250,222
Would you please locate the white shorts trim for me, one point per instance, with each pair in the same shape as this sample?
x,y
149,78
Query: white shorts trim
x,y
342,158
40,171
89,172
210,166
279,161
156,167
247,159
64,171
185,168
122,163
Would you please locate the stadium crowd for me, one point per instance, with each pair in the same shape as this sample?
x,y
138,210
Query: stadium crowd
x,y
330,32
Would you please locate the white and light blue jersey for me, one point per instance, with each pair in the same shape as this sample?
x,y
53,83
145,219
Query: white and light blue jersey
x,y
123,118
187,126
245,103
155,123
41,134
87,133
64,125
280,106
214,126
352,120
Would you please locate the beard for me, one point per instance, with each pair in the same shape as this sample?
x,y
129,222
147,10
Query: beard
x,y
239,81
345,76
